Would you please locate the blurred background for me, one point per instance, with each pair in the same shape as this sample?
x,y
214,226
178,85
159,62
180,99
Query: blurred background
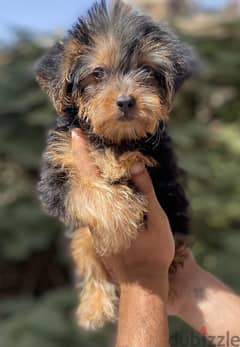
x,y
36,292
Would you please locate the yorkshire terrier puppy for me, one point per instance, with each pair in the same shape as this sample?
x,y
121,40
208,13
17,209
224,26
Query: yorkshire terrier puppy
x,y
114,76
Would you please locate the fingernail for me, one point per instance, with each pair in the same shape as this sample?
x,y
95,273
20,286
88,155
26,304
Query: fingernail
x,y
74,133
137,169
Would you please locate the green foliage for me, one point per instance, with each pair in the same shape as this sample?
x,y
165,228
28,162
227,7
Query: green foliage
x,y
206,130
36,295
25,115
45,322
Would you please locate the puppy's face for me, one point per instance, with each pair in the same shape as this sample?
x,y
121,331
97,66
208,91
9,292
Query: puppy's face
x,y
119,69
119,87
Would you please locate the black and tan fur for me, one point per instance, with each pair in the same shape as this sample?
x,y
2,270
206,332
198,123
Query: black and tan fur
x,y
110,53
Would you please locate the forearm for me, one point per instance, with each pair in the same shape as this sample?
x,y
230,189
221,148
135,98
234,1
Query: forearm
x,y
210,307
142,316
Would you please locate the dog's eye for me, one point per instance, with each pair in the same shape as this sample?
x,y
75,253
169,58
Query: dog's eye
x,y
99,73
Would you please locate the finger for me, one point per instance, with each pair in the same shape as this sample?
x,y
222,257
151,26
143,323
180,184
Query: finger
x,y
143,182
81,154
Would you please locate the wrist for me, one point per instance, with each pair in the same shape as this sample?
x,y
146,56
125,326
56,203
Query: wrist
x,y
142,313
157,284
192,291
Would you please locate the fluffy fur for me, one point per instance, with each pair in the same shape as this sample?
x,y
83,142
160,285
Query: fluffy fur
x,y
108,54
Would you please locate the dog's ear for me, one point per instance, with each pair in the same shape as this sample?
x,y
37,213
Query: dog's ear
x,y
53,73
186,65
49,76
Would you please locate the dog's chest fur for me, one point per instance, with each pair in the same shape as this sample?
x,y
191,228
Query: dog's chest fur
x,y
114,163
158,154
116,167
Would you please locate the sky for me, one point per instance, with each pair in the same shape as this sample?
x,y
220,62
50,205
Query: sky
x,y
48,15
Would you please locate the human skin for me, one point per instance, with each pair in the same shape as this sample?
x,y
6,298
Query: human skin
x,y
141,271
206,304
201,300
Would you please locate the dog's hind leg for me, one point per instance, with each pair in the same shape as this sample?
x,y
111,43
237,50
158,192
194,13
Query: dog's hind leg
x,y
98,298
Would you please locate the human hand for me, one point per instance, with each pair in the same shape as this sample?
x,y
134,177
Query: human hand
x,y
148,259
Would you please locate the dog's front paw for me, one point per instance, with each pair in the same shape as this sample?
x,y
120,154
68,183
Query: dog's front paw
x,y
121,216
113,213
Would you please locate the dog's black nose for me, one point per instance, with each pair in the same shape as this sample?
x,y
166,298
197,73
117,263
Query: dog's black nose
x,y
125,103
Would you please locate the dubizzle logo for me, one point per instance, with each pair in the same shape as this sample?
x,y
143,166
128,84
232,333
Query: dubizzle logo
x,y
205,340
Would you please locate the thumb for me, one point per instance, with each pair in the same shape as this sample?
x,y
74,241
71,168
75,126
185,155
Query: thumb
x,y
81,155
143,181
